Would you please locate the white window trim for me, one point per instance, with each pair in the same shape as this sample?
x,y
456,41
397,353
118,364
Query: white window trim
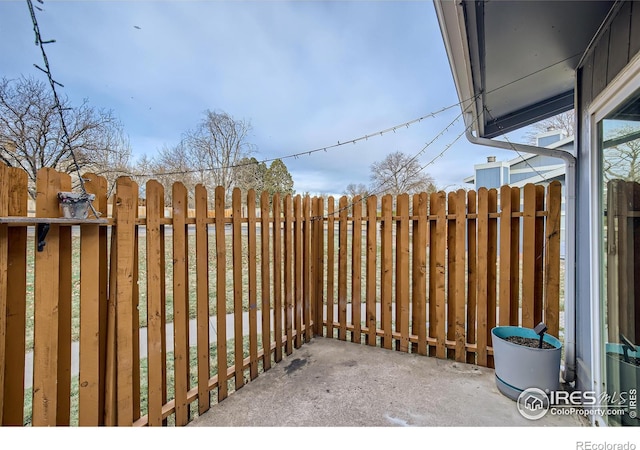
x,y
620,89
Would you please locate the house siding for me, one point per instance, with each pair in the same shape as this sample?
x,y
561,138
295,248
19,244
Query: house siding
x,y
616,44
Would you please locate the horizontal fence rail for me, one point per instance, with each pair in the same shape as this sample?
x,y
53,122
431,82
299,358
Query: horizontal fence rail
x,y
172,305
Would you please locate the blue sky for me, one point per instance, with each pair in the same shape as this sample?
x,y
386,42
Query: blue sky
x,y
305,74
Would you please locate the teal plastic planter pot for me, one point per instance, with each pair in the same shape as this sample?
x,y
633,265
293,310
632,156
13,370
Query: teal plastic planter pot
x,y
519,367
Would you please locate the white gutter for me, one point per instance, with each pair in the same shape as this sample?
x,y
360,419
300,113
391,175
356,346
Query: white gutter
x,y
569,372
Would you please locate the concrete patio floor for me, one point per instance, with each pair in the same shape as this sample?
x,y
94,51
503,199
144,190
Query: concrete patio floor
x,y
331,383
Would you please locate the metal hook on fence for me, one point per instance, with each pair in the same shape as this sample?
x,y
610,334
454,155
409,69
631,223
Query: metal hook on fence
x,y
43,229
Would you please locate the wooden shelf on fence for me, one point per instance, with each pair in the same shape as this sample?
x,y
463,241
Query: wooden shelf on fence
x,y
26,221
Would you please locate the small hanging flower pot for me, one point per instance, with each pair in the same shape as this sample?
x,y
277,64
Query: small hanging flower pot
x,y
74,205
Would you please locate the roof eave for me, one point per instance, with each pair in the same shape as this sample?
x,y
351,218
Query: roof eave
x,y
450,16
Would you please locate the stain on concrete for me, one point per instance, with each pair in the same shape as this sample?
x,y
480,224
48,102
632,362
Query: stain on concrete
x,y
350,363
295,365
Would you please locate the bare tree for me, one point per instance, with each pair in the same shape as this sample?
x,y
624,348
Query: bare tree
x,y
399,173
215,148
31,133
621,159
354,189
564,122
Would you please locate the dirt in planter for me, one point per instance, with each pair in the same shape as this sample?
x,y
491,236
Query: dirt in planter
x,y
528,342
632,359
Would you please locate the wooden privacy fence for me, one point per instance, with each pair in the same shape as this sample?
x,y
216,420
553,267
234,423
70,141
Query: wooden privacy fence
x,y
169,313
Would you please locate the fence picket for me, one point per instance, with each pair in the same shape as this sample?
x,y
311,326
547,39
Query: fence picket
x,y
492,267
14,240
277,276
89,389
236,224
297,269
452,270
402,272
529,256
135,320
483,275
125,205
202,299
221,293
64,318
460,303
319,288
504,299
386,268
46,304
419,273
288,276
342,267
356,270
265,284
4,291
472,272
180,247
156,359
440,261
552,259
307,267
252,285
330,265
539,261
372,256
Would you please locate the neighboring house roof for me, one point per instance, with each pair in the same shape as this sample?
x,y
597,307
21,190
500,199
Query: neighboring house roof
x,y
513,62
544,173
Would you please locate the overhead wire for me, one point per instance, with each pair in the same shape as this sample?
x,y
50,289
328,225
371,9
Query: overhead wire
x,y
379,188
66,141
297,155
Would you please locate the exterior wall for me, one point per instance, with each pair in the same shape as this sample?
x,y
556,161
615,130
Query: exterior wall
x,y
489,178
616,44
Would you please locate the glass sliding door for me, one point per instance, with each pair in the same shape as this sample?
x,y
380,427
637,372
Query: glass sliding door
x,y
619,152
